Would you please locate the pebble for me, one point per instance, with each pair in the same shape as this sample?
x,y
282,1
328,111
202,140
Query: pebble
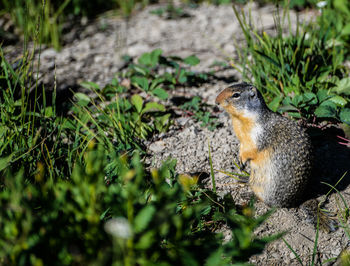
x,y
157,147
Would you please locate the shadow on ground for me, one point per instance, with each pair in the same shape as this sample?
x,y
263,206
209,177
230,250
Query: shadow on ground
x,y
332,161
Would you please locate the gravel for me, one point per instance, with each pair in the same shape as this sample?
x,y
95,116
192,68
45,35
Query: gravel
x,y
93,53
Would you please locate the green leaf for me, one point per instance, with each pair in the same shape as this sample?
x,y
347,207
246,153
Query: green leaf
x,y
343,86
140,82
145,59
182,76
4,161
146,240
296,100
48,111
275,103
82,99
346,30
153,106
287,101
322,95
216,258
150,59
338,100
192,60
288,108
345,115
143,218
90,85
156,82
294,114
104,214
326,109
144,71
310,98
137,102
160,93
69,124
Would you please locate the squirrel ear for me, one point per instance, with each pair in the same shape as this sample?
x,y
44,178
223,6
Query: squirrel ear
x,y
252,92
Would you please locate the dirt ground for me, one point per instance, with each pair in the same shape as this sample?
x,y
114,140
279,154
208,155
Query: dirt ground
x,y
93,53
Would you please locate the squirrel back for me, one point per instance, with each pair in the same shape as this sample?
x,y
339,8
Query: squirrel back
x,y
279,150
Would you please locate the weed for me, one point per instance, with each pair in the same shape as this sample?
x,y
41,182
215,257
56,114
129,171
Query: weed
x,y
31,132
170,12
155,73
199,111
149,219
123,120
299,74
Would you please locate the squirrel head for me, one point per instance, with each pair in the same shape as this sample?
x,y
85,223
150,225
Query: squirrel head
x,y
241,98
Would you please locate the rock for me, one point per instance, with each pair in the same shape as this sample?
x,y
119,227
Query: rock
x,y
157,147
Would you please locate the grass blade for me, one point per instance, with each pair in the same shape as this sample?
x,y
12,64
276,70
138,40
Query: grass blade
x,y
294,252
211,168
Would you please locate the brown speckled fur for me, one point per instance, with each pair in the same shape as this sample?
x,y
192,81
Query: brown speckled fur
x,y
279,151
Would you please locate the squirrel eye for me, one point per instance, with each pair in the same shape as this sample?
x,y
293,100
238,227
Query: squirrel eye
x,y
236,95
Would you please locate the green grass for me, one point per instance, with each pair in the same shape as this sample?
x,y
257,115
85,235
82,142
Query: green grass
x,y
74,190
301,73
44,21
73,187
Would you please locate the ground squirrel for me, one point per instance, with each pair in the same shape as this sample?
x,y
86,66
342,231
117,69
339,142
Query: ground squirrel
x,y
278,149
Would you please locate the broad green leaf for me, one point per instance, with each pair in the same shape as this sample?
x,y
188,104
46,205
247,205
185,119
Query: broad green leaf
x,y
143,218
275,103
346,30
144,71
155,54
18,103
309,98
146,240
182,78
294,114
156,82
216,258
4,161
192,60
343,86
287,100
141,82
160,93
326,109
322,95
137,102
48,111
82,99
145,59
345,115
288,108
153,106
338,100
90,85
150,59
69,124
341,5
297,99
